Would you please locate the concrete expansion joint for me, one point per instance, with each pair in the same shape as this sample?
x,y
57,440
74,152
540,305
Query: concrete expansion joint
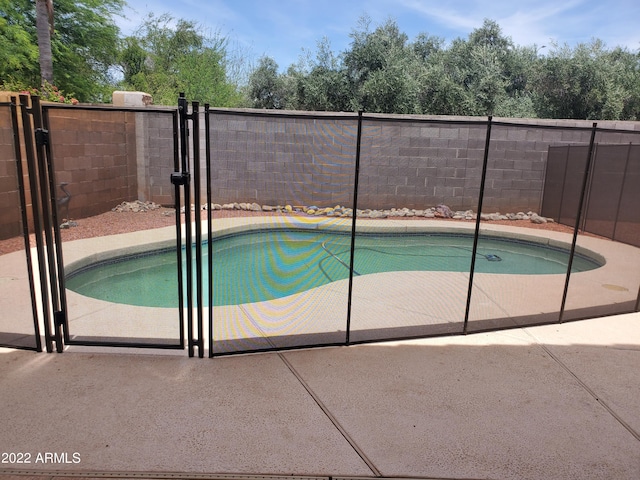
x,y
332,419
53,475
584,386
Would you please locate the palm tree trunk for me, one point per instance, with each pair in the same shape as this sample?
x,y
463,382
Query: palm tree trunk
x,y
44,23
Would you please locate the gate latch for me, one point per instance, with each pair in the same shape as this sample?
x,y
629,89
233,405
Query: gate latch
x,y
42,137
180,178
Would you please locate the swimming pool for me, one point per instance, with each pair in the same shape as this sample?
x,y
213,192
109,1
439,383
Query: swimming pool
x,y
266,264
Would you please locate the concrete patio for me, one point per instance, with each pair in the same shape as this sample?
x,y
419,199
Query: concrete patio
x,y
549,402
557,401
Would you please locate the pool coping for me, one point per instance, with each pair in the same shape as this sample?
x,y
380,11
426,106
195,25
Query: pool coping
x,y
129,243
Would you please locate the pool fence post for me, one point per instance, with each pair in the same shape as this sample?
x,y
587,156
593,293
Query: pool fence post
x,y
184,157
472,267
585,179
177,179
195,123
353,226
207,159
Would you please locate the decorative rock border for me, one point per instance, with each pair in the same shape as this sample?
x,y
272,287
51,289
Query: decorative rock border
x,y
136,206
440,211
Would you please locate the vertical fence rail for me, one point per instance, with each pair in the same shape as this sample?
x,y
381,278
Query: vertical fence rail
x,y
195,122
579,214
25,221
184,179
207,133
178,218
474,251
356,179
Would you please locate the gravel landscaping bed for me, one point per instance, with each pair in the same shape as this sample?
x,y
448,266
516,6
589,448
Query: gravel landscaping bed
x,y
115,222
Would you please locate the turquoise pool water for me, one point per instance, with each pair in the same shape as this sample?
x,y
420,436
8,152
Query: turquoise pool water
x,y
268,264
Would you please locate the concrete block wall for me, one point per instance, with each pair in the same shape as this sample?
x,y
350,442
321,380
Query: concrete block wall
x,y
94,152
282,159
154,157
302,158
10,213
405,162
105,156
420,165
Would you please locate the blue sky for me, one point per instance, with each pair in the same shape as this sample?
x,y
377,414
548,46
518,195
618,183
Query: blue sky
x,y
281,29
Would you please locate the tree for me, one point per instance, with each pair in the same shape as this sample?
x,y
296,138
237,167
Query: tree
x,y
380,68
266,88
484,74
322,89
480,67
132,59
439,93
166,57
426,46
318,83
83,46
574,83
44,28
18,50
589,82
625,79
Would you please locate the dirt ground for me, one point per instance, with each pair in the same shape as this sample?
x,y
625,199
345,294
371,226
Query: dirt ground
x,y
111,223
